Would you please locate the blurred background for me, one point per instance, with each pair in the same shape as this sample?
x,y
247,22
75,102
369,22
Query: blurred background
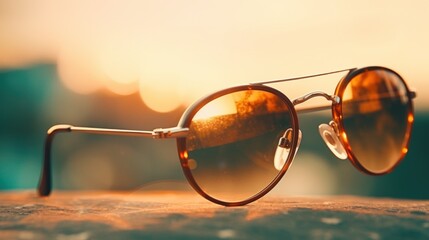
x,y
138,64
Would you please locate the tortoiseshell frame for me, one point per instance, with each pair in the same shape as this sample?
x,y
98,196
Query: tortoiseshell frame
x,y
180,132
338,118
186,120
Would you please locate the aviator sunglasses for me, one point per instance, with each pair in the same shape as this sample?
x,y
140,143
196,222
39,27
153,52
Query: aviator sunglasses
x,y
236,144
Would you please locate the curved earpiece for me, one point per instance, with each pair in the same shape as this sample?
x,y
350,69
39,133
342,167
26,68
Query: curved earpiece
x,y
330,137
283,148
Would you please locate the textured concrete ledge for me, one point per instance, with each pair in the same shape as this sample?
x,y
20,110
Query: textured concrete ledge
x,y
175,215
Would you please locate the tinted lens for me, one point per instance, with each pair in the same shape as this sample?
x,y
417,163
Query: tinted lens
x,y
232,142
375,108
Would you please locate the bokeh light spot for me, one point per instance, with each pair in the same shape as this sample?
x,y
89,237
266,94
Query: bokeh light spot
x,y
78,72
161,95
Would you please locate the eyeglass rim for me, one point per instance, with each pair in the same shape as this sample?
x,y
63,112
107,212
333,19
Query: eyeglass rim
x,y
186,120
337,115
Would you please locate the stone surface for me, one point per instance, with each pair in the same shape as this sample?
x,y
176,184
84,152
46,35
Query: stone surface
x,y
182,215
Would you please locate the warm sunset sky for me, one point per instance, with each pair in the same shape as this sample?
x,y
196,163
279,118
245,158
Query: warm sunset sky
x,y
176,51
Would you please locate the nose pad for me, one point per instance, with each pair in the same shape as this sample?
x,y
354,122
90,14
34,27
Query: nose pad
x,y
283,148
330,137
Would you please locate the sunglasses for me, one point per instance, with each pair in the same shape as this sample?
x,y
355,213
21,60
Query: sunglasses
x,y
236,144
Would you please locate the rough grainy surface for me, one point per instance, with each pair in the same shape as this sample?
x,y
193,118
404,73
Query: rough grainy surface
x,y
85,215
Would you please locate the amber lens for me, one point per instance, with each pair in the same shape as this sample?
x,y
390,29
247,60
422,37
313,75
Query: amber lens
x,y
232,142
375,109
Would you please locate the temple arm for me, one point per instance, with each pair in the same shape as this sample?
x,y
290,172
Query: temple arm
x,y
45,183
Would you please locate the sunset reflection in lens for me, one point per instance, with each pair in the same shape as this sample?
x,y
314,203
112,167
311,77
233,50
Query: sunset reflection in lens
x,y
375,112
232,142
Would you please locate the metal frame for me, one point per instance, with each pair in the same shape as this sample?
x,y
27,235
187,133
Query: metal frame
x,y
180,131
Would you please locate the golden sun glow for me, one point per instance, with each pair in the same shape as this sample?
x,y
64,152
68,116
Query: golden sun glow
x,y
222,106
76,71
161,98
129,47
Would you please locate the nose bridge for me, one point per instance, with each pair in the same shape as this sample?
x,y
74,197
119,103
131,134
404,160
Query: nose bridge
x,y
332,98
